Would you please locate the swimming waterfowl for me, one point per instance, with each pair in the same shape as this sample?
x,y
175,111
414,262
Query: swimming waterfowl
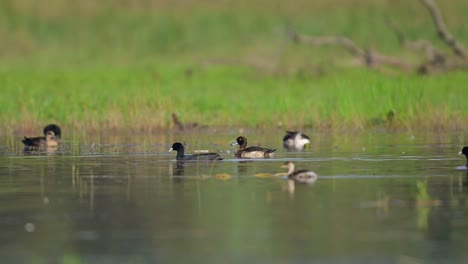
x,y
464,151
295,140
51,138
198,156
300,175
251,152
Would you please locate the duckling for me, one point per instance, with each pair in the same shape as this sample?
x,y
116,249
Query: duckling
x,y
253,151
51,138
300,175
199,156
295,140
464,151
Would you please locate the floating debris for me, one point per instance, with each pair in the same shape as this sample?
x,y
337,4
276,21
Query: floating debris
x,y
222,176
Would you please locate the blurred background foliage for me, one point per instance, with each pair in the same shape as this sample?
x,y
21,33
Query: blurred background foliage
x,y
61,32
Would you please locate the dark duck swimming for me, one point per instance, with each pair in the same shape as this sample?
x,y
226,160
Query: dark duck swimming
x,y
251,152
198,156
464,151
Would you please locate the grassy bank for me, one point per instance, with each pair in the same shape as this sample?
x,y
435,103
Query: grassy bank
x,y
229,96
132,64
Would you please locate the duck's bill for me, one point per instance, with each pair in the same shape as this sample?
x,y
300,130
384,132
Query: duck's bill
x,y
234,144
460,152
171,149
284,166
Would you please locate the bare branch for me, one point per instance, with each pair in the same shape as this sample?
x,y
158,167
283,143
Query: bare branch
x,y
181,126
371,59
375,58
398,32
344,42
432,53
434,68
444,34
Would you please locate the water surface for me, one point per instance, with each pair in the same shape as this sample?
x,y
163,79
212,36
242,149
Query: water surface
x,y
380,198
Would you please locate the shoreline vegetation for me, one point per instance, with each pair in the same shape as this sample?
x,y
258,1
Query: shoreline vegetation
x,y
138,99
131,66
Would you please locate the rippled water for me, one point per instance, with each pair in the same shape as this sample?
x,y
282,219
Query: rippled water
x,y
397,198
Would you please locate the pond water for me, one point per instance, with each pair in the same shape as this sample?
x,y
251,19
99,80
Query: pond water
x,y
380,198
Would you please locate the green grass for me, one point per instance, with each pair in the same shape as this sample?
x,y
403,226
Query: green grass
x,y
228,96
89,66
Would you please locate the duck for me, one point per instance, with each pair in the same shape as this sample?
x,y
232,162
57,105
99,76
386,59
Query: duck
x,y
304,176
51,138
295,140
177,146
464,151
251,152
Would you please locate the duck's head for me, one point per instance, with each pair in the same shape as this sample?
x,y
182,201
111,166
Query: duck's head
x,y
50,135
464,151
288,165
241,141
177,147
53,128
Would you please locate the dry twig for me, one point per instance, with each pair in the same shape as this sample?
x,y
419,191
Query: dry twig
x,y
369,58
444,34
436,61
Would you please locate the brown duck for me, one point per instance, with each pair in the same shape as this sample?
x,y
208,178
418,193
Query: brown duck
x,y
251,152
304,176
51,138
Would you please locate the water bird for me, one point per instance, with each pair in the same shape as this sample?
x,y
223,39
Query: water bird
x,y
251,152
51,138
198,156
304,176
295,140
464,151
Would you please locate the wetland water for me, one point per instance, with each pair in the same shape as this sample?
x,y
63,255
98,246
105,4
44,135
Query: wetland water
x,y
380,198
